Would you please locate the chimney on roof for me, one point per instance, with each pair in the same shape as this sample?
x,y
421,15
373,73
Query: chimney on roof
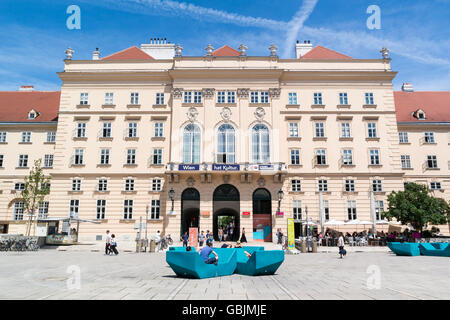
x,y
407,87
26,88
159,48
302,48
96,54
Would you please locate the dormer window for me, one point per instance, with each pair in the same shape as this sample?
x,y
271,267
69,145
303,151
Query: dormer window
x,y
32,115
419,114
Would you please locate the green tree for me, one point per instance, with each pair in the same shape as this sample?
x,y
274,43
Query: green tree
x,y
417,207
37,186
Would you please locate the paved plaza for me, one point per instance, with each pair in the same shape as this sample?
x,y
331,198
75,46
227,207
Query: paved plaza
x,y
53,274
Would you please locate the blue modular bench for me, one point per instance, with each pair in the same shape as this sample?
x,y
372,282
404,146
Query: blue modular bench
x,y
181,249
435,249
404,249
191,265
261,262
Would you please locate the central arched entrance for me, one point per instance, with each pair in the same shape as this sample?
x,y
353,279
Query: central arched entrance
x,y
190,210
262,215
226,206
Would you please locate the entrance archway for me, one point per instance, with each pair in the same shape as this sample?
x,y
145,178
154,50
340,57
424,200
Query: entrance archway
x,y
226,206
190,210
262,215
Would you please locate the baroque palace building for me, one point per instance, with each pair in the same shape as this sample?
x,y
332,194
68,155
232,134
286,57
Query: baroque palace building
x,y
181,140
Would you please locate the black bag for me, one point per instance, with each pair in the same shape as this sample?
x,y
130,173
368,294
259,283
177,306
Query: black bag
x,y
343,252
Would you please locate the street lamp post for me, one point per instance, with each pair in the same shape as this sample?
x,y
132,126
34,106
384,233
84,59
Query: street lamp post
x,y
172,196
280,197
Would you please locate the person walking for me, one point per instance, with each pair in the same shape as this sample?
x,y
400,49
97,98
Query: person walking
x,y
201,239
243,237
220,234
108,243
113,244
342,251
185,239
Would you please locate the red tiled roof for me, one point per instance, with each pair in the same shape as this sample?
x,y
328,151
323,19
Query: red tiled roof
x,y
15,105
320,52
226,51
132,53
435,104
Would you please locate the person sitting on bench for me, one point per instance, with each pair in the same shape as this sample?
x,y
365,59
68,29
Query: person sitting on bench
x,y
206,251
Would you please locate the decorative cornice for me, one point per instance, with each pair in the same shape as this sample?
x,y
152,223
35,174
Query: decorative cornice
x,y
243,93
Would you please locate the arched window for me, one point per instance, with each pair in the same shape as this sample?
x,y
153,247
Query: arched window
x,y
260,144
191,143
225,144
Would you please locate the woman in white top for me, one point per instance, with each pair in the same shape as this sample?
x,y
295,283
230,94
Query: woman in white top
x,y
341,245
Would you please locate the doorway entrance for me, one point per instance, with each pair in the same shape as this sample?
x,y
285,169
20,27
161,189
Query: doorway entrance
x,y
226,206
190,210
262,215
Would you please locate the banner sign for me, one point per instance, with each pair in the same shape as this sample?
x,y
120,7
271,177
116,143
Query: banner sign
x,y
193,237
226,167
266,167
245,213
291,234
206,213
280,213
188,167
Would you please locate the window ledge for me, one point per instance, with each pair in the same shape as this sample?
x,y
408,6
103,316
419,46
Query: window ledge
x,y
220,105
127,165
407,168
348,165
80,106
432,143
78,165
156,165
296,192
15,191
342,106
321,165
199,105
293,106
158,138
131,138
127,221
294,138
46,142
154,192
159,105
350,192
259,104
79,138
104,106
105,138
133,105
369,105
154,220
22,168
3,142
129,192
404,142
380,193
346,139
320,138
101,192
75,192
295,166
318,106
372,139
323,192
375,165
101,220
18,222
103,165
25,142
432,168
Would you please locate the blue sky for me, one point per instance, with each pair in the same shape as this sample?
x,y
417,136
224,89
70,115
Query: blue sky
x,y
34,36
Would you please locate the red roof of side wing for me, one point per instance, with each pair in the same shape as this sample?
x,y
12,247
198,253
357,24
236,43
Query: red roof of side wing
x,y
320,52
226,51
132,53
15,106
435,105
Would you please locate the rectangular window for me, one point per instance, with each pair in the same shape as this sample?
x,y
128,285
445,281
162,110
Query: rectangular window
x,y
109,98
134,98
295,156
76,185
321,158
159,129
377,186
104,156
74,208
26,136
48,161
197,97
406,161
326,209
2,137
231,96
106,130
254,97
131,156
129,185
297,209
323,185
369,98
403,137
156,185
350,185
320,129
343,100
78,157
264,96
372,130
347,157
160,98
296,185
23,161
155,209
188,97
293,129
43,210
19,210
101,209
379,208
429,137
132,130
102,185
51,136
351,209
157,156
345,130
84,98
1,160
81,130
19,186
128,209
221,97
432,162
374,157
318,98
435,185
292,97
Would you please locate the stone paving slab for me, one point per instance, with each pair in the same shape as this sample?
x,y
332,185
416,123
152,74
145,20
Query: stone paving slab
x,y
46,275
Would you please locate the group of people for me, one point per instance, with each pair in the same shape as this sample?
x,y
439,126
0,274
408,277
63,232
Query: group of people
x,y
207,250
224,234
111,244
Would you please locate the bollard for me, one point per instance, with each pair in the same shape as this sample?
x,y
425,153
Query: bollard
x,y
303,246
314,246
152,246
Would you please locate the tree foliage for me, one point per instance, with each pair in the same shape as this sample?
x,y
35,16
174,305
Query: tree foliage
x,y
417,207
